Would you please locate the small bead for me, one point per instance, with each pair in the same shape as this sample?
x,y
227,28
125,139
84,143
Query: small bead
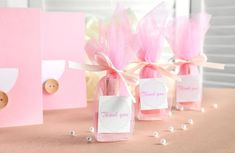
x,y
215,106
156,134
171,129
181,108
184,127
89,139
190,121
202,110
92,129
177,107
72,133
163,142
170,114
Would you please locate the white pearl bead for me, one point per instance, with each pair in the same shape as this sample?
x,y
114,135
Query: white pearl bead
x,y
163,142
202,110
171,129
170,114
190,121
181,108
215,106
72,133
89,139
156,134
184,127
177,107
92,129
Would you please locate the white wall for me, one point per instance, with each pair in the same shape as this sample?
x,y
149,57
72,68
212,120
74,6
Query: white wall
x,y
100,8
14,3
182,7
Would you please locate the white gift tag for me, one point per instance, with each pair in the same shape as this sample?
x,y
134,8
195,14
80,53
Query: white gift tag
x,y
114,114
153,94
189,89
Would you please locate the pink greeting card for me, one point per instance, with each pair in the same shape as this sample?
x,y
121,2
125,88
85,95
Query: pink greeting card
x,y
20,67
62,39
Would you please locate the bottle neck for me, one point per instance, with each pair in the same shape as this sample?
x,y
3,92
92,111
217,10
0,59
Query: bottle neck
x,y
150,71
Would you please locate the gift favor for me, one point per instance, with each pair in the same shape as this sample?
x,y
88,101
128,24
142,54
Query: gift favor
x,y
111,52
153,97
20,67
186,37
62,37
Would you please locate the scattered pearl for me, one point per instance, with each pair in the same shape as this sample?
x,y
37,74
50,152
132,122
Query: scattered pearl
x,y
170,114
184,127
89,139
171,129
190,121
72,133
177,107
156,134
181,108
215,106
202,110
92,129
163,142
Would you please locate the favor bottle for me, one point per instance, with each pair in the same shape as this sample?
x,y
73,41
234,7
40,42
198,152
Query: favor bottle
x,y
150,72
111,85
191,82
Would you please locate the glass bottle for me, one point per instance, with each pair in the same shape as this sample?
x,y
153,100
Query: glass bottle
x,y
149,71
187,70
111,85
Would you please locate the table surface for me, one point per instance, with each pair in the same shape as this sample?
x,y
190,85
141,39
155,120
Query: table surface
x,y
212,132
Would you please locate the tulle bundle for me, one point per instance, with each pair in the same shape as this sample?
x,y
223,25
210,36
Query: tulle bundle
x,y
116,39
151,32
112,50
186,36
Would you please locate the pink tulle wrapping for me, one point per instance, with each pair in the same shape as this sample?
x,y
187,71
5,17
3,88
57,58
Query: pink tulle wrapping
x,y
151,30
116,39
186,36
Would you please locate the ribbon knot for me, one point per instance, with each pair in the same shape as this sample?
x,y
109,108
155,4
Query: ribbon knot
x,y
200,60
105,64
160,67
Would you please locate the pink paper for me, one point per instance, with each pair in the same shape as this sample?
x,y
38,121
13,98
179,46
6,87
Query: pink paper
x,y
20,49
63,39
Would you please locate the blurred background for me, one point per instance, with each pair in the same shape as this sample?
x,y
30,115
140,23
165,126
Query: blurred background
x,y
220,40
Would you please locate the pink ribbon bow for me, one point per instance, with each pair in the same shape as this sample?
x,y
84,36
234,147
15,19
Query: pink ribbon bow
x,y
105,64
163,69
200,60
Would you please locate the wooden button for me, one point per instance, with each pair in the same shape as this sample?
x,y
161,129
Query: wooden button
x,y
51,86
3,99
